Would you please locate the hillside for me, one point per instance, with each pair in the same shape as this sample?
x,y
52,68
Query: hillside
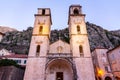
x,y
19,42
4,29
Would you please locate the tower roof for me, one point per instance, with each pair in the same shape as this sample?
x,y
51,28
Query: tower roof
x,y
76,5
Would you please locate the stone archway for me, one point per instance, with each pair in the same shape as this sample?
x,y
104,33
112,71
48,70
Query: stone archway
x,y
59,69
108,78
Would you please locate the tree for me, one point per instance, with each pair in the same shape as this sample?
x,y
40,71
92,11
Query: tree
x,y
7,62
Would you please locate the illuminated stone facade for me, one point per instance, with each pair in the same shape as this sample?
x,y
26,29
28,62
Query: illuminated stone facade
x,y
114,59
101,64
59,60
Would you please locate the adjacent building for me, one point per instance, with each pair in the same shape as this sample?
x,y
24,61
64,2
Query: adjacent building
x,y
4,52
20,59
101,64
114,59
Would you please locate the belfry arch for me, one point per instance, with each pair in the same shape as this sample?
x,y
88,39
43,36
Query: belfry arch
x,y
62,68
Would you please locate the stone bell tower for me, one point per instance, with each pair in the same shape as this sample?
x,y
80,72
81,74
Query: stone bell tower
x,y
35,68
79,44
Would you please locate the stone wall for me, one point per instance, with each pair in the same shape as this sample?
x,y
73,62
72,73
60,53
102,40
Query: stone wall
x,y
11,73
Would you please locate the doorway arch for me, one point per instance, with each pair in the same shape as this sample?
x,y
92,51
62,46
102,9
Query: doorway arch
x,y
108,78
59,69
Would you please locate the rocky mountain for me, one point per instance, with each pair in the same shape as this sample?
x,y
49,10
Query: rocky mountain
x,y
100,37
4,29
19,41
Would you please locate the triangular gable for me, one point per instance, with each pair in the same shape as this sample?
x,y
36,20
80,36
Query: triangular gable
x,y
59,47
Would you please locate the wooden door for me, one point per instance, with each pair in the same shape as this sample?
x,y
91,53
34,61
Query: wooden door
x,y
59,75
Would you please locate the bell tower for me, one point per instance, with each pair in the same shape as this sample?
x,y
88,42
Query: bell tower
x,y
79,43
35,68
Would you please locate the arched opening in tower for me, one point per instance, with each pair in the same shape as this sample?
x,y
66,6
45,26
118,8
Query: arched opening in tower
x,y
76,11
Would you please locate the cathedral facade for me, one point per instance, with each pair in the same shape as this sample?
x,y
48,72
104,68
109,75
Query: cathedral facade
x,y
59,60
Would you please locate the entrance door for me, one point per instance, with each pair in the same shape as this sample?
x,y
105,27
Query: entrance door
x,y
59,75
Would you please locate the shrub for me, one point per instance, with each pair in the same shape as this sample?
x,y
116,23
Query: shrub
x,y
7,62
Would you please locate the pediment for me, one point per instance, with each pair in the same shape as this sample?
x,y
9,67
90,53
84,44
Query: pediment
x,y
59,47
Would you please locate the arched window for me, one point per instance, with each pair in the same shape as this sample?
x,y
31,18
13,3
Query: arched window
x,y
106,69
40,29
43,11
108,78
76,12
37,50
81,50
78,28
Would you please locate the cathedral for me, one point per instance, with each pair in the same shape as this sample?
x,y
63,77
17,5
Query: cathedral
x,y
59,60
